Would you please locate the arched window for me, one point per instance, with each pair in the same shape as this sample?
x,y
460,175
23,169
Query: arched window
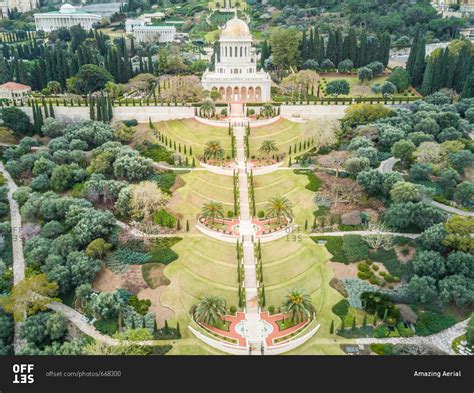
x,y
235,51
241,51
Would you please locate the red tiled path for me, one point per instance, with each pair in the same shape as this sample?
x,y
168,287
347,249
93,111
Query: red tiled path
x,y
276,332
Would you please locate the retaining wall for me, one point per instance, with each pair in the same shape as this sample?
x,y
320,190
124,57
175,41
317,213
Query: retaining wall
x,y
313,111
141,113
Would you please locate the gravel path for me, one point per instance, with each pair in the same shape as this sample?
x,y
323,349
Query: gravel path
x,y
387,167
17,245
441,340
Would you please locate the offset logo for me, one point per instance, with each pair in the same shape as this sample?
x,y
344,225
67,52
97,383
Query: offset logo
x,y
23,373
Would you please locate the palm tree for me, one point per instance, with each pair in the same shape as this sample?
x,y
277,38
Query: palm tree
x,y
212,210
267,110
207,109
280,207
268,147
210,310
298,306
214,150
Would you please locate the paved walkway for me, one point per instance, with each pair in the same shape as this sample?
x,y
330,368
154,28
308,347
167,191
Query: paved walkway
x,y
17,245
441,340
252,311
364,233
387,167
72,315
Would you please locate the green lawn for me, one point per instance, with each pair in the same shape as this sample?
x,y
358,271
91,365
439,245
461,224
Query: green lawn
x,y
302,265
290,185
200,187
284,132
204,267
188,132
356,88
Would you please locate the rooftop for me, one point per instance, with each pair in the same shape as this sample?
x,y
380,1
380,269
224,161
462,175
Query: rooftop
x,y
14,86
236,28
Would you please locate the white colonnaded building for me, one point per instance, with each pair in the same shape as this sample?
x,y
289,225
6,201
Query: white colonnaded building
x,y
67,16
149,33
235,74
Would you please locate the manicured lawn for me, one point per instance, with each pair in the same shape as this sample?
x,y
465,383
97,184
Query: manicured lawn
x,y
290,185
204,267
302,265
356,88
188,132
200,187
284,132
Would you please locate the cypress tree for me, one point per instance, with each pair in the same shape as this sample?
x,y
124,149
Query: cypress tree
x,y
331,329
413,52
110,111
427,85
91,108
51,110
178,331
419,63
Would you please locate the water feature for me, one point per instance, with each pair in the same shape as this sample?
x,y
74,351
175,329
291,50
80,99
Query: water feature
x,y
241,328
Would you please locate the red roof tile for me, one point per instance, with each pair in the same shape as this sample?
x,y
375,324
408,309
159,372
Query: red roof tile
x,y
14,86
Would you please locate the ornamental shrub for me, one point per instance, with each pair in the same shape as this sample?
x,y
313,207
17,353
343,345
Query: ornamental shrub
x,y
355,248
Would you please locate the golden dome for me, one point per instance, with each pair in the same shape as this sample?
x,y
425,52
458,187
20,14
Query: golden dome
x,y
236,28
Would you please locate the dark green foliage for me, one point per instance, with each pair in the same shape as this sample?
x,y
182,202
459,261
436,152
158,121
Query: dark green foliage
x,y
355,248
380,304
382,349
163,218
334,246
130,123
157,153
314,181
91,78
17,120
161,251
107,326
341,308
430,322
141,306
412,216
128,256
165,180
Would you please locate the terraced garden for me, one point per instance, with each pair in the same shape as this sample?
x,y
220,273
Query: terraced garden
x,y
289,263
188,132
284,132
196,188
204,267
292,186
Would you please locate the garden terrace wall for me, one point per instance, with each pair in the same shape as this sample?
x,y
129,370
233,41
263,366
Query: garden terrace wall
x,y
142,114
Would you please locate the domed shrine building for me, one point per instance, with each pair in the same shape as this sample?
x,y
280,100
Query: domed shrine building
x,y
235,75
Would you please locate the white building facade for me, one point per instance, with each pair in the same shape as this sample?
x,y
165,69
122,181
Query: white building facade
x,y
20,5
67,16
235,75
149,33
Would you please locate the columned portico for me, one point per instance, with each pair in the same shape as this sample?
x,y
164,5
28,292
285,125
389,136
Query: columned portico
x,y
235,74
